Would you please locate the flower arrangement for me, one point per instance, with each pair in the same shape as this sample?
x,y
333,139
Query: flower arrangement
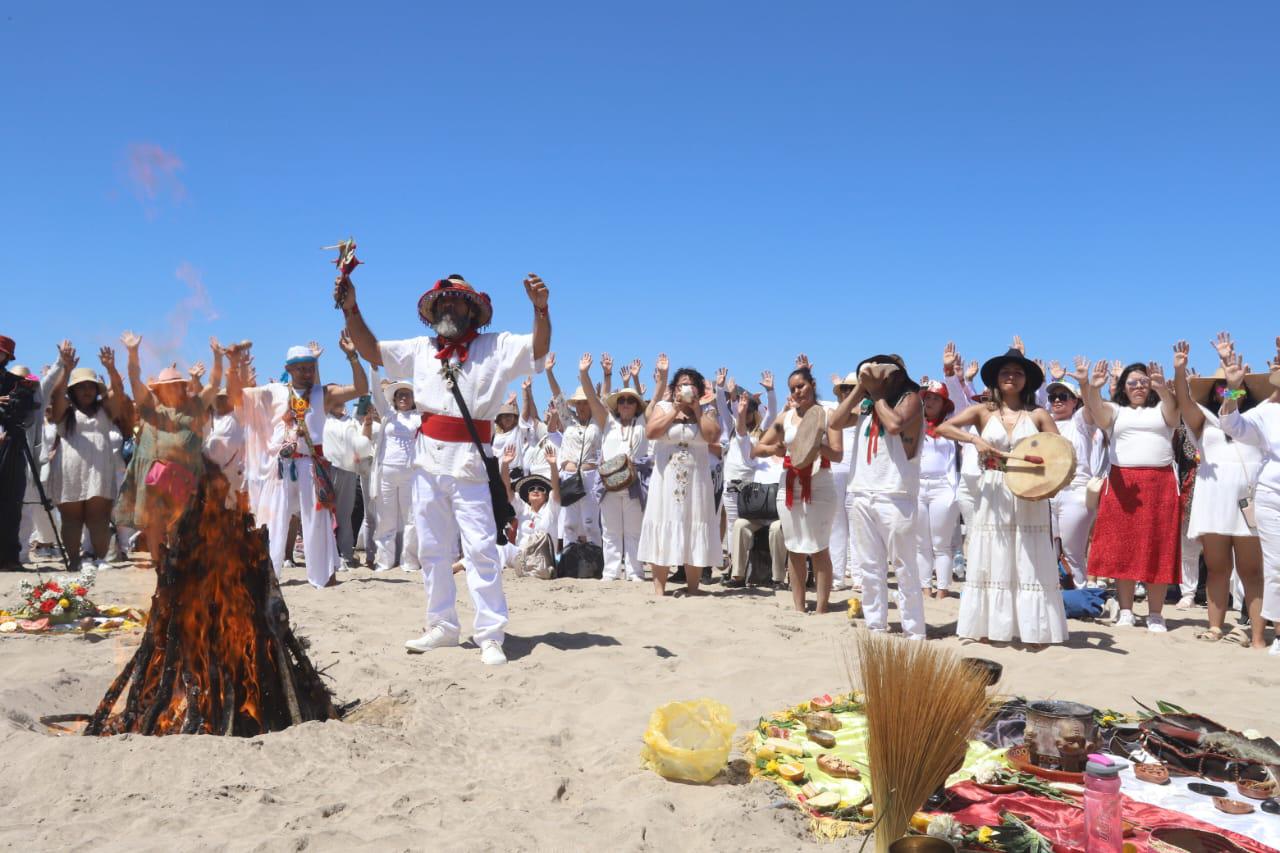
x,y
61,599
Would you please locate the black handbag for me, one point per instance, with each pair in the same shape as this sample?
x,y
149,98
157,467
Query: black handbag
x,y
572,489
503,512
758,501
583,560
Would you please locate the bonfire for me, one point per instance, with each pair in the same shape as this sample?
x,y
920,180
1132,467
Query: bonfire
x,y
218,655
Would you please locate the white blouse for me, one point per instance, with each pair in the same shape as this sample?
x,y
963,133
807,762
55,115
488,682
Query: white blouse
x,y
1140,438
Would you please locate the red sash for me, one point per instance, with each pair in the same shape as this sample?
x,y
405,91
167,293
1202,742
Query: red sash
x,y
805,476
447,428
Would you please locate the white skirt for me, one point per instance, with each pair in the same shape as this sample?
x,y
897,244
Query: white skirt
x,y
806,527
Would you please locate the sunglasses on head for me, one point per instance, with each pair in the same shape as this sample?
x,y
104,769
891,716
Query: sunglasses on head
x,y
1059,397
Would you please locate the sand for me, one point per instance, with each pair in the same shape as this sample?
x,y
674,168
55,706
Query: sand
x,y
443,753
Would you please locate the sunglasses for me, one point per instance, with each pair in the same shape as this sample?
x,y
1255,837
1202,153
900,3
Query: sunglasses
x,y
533,489
1060,397
1138,383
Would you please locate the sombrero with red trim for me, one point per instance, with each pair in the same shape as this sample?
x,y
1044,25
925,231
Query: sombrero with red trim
x,y
455,285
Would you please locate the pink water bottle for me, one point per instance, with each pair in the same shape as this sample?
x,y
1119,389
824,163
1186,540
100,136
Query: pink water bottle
x,y
1103,829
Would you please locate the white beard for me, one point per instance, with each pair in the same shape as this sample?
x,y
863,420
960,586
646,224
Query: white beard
x,y
448,326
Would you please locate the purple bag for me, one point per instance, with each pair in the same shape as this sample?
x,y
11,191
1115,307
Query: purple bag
x,y
172,479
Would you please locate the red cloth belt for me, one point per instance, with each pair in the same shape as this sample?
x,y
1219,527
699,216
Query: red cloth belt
x,y
992,463
447,428
804,475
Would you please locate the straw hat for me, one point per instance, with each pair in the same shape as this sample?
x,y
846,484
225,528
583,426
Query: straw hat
x,y
849,381
508,409
612,400
1259,385
85,374
20,370
391,386
991,370
525,483
168,376
455,285
579,396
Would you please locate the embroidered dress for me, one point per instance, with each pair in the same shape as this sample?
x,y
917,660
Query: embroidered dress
x,y
681,527
166,435
1011,585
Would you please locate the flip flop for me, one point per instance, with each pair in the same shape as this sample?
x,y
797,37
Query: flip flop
x,y
1211,635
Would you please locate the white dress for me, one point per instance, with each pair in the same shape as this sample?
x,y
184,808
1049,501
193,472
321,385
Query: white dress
x,y
1011,584
680,526
83,466
806,527
1228,471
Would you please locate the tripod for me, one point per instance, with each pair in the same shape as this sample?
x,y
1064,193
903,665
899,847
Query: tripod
x,y
21,441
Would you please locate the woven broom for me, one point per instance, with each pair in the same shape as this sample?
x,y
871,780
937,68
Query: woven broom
x,y
922,704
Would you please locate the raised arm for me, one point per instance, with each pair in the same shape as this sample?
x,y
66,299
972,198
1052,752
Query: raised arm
x,y
770,398
141,393
659,390
599,413
550,453
1192,415
379,399
209,393
606,368
58,400
956,428
508,454
1240,427
770,444
335,394
548,368
539,297
843,414
529,411
1091,390
115,400
1168,400
364,341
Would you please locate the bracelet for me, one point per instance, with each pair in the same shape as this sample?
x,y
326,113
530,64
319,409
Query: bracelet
x,y
1233,394
353,357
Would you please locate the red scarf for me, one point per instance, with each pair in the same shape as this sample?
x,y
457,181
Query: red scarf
x,y
446,349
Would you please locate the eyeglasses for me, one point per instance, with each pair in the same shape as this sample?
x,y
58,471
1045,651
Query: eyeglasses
x,y
1137,383
1059,397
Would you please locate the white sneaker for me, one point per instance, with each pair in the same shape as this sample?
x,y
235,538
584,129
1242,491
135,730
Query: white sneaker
x,y
1125,619
436,638
1155,624
288,564
1186,602
1112,609
1275,647
382,568
636,578
491,653
410,569
608,577
840,586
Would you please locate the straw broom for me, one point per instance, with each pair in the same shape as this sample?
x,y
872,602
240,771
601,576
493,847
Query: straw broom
x,y
922,704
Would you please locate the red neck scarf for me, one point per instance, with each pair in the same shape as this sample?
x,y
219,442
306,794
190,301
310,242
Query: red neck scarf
x,y
446,349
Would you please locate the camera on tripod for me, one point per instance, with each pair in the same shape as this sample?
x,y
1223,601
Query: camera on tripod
x,y
17,400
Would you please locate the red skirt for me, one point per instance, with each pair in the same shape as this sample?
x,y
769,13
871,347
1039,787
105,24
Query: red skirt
x,y
1138,534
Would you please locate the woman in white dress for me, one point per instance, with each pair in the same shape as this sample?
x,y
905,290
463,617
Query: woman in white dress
x,y
681,527
1227,474
808,501
1011,589
83,466
622,434
938,510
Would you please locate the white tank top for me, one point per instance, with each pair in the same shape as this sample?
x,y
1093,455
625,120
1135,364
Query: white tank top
x,y
1140,438
889,472
619,439
937,458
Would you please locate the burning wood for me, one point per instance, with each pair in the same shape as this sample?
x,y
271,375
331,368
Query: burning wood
x,y
218,655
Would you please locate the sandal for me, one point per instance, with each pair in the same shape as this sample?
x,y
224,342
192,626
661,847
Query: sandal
x,y
1211,635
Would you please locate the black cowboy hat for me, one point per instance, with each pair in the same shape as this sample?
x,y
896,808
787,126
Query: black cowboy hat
x,y
524,483
894,359
991,370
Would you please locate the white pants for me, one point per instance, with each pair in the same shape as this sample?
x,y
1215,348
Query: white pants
x,y
841,559
741,536
395,517
444,510
318,541
582,520
1071,521
621,517
884,528
1191,551
366,536
936,516
1267,509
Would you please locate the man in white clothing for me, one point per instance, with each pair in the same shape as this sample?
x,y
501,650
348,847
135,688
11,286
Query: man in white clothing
x,y
452,494
341,438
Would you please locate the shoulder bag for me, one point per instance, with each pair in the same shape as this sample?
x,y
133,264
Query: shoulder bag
x,y
503,512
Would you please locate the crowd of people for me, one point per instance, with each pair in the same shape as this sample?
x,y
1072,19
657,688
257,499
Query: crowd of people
x,y
425,462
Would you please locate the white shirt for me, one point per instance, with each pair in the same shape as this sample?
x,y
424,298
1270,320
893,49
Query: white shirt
x,y
225,442
1140,438
493,362
1080,434
340,442
531,523
400,438
1259,427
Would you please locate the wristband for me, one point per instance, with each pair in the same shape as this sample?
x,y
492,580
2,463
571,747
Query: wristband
x,y
1233,394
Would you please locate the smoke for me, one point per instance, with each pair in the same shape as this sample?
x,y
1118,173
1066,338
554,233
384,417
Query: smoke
x,y
152,174
166,347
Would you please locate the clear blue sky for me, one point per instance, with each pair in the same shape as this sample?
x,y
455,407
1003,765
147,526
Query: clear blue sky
x,y
728,182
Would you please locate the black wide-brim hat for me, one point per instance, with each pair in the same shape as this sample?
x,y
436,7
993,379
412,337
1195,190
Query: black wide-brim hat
x,y
890,358
991,370
524,483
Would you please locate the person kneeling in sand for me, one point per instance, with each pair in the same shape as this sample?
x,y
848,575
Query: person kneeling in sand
x,y
536,500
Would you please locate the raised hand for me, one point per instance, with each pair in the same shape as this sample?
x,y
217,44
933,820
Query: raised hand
x,y
316,349
742,404
107,356
508,454
526,383
511,399
663,364
1224,345
722,373
1056,371
1040,364
1234,370
624,373
635,367
802,361
606,362
1117,367
196,371
1081,372
1155,372
971,371
1180,351
131,341
67,356
549,362
345,344
584,363
215,347
766,380
730,386
536,289
1101,376
950,359
550,453
1019,345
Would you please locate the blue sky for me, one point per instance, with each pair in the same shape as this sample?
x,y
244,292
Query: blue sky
x,y
728,182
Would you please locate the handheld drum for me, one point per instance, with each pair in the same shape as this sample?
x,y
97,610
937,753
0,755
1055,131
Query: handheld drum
x,y
803,449
1039,466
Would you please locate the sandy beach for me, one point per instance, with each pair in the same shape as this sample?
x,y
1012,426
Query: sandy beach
x,y
442,753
